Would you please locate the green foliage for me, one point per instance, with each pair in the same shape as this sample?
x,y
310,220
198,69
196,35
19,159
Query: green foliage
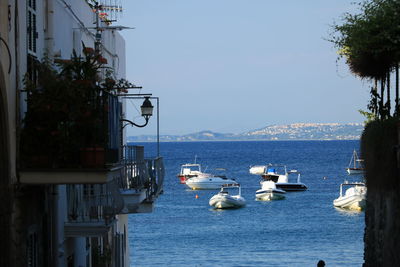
x,y
370,41
368,115
370,44
67,107
101,258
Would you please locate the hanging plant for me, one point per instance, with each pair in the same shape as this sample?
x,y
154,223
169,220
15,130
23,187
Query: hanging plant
x,y
370,44
68,108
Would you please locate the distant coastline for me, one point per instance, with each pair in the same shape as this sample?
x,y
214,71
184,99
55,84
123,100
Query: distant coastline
x,y
288,132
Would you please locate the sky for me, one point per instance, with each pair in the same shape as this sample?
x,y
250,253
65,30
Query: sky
x,y
231,66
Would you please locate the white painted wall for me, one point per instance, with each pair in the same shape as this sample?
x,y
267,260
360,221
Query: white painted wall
x,y
61,28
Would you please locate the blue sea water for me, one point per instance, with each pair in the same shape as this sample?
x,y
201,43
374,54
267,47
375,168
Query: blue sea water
x,y
299,231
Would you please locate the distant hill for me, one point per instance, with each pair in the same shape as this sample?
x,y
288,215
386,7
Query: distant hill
x,y
295,131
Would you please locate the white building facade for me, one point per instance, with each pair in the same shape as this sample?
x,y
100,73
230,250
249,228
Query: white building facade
x,y
55,212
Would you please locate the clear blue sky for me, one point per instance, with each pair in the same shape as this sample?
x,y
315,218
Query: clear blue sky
x,y
238,65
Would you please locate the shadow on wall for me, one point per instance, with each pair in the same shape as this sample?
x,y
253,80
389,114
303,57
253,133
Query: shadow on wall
x,y
381,153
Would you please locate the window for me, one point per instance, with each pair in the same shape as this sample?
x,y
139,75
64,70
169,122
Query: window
x,y
32,248
32,30
32,69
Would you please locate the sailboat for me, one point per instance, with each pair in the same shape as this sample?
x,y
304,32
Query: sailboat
x,y
355,165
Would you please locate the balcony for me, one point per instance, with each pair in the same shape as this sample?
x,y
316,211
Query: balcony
x,y
92,209
71,130
84,149
142,181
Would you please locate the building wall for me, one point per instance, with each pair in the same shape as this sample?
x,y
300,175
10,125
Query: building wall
x,y
5,189
380,150
6,162
35,215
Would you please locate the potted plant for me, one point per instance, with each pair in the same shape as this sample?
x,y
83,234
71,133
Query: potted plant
x,y
68,111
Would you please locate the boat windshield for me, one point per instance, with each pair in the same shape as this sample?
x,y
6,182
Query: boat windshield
x,y
269,177
189,168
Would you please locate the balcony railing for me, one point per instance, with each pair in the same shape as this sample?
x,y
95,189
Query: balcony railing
x,y
142,179
92,208
72,151
89,139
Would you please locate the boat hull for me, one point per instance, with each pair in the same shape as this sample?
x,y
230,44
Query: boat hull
x,y
291,186
183,178
351,202
207,183
227,202
270,194
353,171
354,197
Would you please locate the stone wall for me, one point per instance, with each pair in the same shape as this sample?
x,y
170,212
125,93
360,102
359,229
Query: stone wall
x,y
379,145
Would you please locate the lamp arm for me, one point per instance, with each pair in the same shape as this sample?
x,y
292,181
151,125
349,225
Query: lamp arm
x,y
134,124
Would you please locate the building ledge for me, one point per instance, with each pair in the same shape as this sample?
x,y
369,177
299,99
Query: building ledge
x,y
135,202
86,229
68,176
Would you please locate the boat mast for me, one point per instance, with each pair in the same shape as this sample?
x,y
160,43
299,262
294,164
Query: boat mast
x,y
355,159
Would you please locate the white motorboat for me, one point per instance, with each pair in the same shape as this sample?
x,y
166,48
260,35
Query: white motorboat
x,y
269,191
208,181
355,165
189,170
280,176
257,170
224,200
353,198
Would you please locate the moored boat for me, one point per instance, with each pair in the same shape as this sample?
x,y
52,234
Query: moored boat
x,y
269,191
355,165
208,181
353,198
280,176
189,170
224,200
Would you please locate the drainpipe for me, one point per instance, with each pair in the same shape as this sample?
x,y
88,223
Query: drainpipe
x,y
49,44
54,225
49,33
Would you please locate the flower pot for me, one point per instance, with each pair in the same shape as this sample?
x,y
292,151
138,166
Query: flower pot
x,y
92,157
39,161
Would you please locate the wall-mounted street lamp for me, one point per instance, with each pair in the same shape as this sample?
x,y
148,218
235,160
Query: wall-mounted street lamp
x,y
146,110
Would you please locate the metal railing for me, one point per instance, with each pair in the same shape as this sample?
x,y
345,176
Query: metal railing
x,y
93,203
140,173
74,141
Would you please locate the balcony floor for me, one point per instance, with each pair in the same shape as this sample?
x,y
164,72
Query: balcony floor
x,y
87,229
68,176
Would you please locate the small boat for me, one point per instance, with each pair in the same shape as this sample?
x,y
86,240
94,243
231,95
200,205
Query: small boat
x,y
224,200
355,165
280,176
257,170
189,170
353,198
269,191
208,181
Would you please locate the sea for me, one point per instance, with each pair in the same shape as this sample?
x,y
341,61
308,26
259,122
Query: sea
x,y
302,229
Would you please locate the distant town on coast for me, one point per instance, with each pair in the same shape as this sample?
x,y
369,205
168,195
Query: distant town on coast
x,y
295,131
